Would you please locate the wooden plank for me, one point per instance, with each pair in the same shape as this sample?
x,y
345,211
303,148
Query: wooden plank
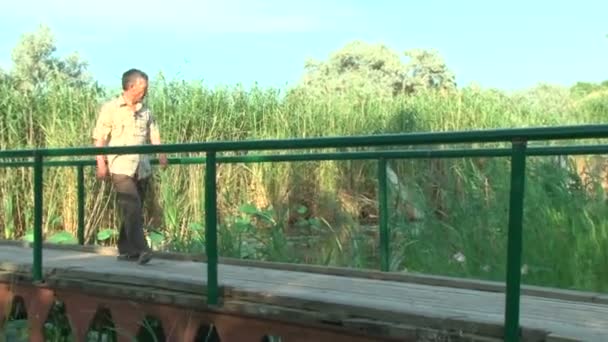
x,y
412,278
558,338
338,297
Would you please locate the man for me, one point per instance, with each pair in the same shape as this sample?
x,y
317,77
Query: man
x,y
122,121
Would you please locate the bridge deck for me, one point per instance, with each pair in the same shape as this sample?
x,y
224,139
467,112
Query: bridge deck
x,y
389,304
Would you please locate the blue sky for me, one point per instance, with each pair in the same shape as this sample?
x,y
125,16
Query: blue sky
x,y
508,44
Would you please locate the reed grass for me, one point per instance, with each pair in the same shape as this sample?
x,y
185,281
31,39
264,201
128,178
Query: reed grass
x,y
326,212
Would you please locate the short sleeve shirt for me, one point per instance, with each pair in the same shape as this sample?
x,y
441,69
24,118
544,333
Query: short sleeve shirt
x,y
121,126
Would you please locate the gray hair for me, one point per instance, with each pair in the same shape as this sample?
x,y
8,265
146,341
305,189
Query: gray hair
x,y
131,76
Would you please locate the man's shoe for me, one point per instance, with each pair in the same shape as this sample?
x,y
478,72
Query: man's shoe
x,y
127,257
144,258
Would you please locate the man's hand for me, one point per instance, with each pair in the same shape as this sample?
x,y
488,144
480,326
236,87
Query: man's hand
x,y
102,168
102,171
162,159
155,140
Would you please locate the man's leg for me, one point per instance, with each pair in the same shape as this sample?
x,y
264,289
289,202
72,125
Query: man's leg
x,y
133,241
142,187
123,192
145,255
123,243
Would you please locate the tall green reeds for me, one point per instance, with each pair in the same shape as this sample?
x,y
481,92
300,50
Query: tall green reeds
x,y
447,216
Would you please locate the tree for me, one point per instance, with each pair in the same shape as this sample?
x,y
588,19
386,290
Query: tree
x,y
427,70
35,66
581,89
376,70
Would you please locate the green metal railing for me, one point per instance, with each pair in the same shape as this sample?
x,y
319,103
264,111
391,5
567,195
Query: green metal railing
x,y
518,152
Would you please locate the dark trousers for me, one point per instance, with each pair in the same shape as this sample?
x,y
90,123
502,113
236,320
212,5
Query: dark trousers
x,y
130,193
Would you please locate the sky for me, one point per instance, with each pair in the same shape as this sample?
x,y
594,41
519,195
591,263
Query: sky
x,y
509,44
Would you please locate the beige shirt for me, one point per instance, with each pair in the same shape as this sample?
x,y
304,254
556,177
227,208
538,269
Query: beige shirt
x,y
120,126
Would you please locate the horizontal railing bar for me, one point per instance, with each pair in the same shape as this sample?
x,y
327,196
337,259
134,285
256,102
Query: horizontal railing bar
x,y
567,150
367,155
473,136
403,154
53,163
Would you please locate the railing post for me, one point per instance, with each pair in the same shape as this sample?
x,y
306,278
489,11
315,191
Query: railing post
x,y
515,237
383,216
37,262
81,204
211,228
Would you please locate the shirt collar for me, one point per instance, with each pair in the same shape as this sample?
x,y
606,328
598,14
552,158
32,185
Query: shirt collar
x,y
123,103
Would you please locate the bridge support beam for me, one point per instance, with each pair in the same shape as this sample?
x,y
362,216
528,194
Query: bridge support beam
x,y
179,324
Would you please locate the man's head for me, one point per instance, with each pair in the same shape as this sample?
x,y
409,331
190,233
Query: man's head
x,y
134,85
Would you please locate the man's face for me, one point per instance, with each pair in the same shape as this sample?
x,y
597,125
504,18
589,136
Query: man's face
x,y
138,91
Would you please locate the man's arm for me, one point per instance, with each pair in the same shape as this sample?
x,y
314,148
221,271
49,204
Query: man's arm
x,y
154,137
155,140
101,159
103,128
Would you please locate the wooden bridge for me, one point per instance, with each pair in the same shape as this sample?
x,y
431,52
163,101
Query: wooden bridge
x,y
236,300
292,302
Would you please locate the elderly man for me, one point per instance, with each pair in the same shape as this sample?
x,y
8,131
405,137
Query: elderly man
x,y
122,121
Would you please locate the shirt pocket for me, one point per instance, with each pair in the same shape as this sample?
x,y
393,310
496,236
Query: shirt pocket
x,y
118,129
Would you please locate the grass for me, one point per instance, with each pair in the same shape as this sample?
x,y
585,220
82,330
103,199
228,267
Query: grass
x,y
448,217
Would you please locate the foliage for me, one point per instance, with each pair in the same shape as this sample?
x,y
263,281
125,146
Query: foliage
x,y
447,216
34,64
376,70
